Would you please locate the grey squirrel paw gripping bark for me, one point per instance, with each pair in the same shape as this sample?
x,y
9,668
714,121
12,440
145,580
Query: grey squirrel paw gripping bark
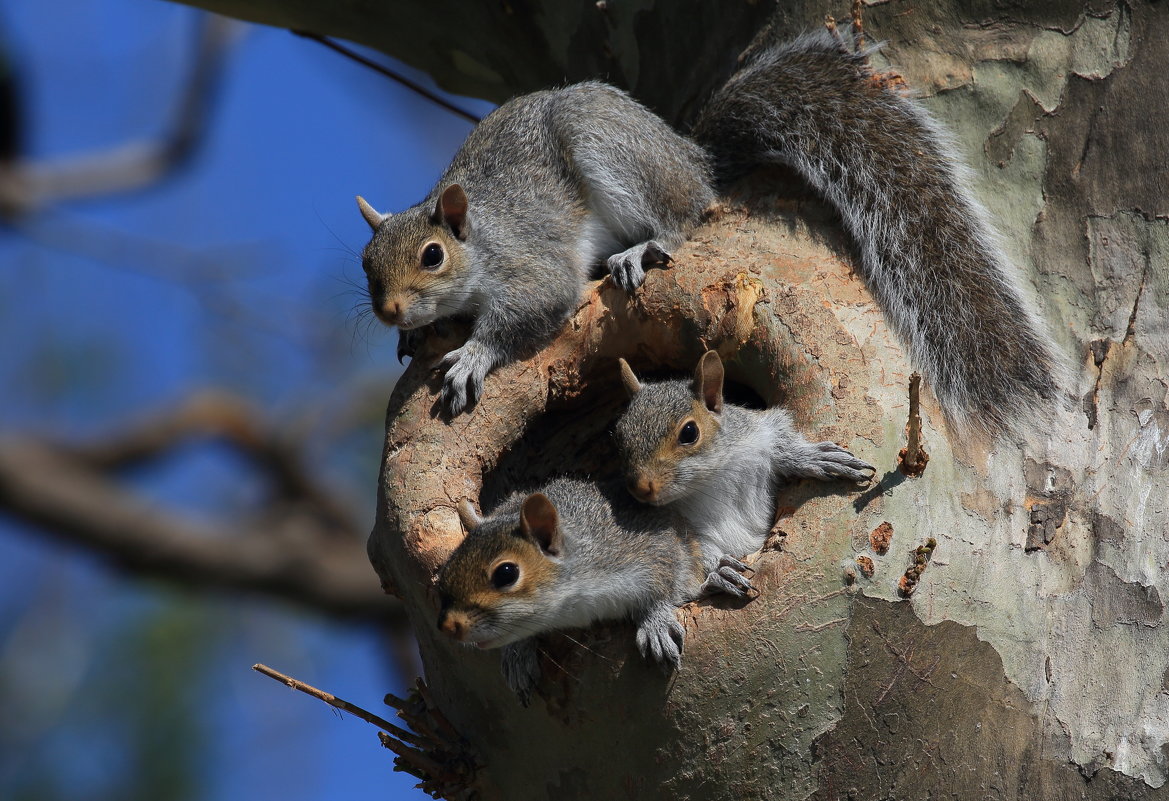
x,y
467,367
520,664
827,460
628,266
728,579
660,636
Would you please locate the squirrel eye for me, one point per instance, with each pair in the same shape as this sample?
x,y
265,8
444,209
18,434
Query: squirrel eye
x,y
505,575
432,256
689,433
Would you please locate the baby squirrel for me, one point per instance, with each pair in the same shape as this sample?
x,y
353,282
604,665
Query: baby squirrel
x,y
717,464
552,182
567,555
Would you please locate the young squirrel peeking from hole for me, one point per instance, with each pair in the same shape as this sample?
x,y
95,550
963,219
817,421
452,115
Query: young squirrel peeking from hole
x,y
568,555
716,464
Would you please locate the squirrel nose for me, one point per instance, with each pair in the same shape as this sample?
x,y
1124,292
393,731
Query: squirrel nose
x,y
643,488
453,624
392,310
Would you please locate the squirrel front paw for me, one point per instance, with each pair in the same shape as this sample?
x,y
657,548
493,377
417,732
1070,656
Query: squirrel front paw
x,y
628,266
827,460
520,664
728,579
660,637
466,368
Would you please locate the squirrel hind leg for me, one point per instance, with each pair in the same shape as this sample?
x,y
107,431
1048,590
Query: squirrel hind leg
x,y
628,266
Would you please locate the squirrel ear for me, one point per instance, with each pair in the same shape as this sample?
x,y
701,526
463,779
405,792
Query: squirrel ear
x,y
470,519
628,379
371,215
540,522
452,209
708,381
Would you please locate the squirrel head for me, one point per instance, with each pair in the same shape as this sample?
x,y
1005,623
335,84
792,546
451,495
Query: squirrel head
x,y
666,437
493,588
416,264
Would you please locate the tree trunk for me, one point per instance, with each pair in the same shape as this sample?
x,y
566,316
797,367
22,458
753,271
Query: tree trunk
x,y
1031,659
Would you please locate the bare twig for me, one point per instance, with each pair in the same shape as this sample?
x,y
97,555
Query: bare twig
x,y
423,766
389,73
414,716
445,766
342,704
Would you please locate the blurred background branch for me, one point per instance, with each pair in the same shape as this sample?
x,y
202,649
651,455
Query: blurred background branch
x,y
303,545
176,213
27,185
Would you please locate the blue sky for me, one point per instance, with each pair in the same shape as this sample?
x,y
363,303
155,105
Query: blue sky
x,y
231,274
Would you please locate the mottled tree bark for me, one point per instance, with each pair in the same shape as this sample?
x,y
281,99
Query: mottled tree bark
x,y
1030,660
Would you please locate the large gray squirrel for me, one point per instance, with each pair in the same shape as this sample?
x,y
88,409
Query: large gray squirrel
x,y
553,183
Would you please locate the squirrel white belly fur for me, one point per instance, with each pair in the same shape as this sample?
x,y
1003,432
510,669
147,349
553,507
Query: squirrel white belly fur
x,y
552,182
568,555
716,464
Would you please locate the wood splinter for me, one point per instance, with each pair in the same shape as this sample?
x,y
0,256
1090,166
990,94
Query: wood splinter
x,y
913,458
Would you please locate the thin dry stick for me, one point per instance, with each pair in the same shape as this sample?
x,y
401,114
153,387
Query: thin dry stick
x,y
415,722
341,704
389,73
417,759
435,712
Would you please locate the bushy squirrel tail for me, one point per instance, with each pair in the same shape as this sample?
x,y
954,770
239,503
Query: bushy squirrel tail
x,y
928,254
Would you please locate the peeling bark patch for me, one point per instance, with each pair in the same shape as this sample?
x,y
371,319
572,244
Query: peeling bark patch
x,y
1046,479
1053,484
1107,529
1152,446
1123,249
986,504
1000,145
1099,349
928,714
880,537
921,557
1117,602
866,565
1046,520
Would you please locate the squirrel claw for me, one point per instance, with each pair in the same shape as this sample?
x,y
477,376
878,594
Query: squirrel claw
x,y
467,367
729,579
660,637
828,461
628,267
